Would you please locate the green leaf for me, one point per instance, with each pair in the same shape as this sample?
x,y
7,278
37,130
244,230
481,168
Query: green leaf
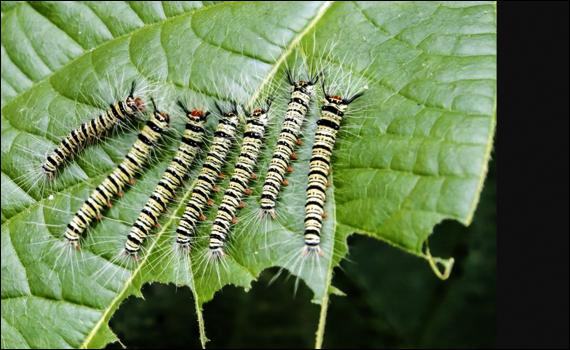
x,y
416,155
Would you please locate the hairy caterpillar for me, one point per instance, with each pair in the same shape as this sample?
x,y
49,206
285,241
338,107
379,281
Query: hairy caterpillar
x,y
328,125
172,179
288,139
238,186
88,132
123,174
210,172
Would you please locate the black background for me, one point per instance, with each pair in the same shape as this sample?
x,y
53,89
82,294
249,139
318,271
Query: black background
x,y
532,304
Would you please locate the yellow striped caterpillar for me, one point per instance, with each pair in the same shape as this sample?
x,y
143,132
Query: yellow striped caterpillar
x,y
122,175
288,139
172,179
224,137
238,186
328,125
89,132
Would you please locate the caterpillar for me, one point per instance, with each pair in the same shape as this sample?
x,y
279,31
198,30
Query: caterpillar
x,y
288,138
70,145
238,186
172,179
123,174
210,172
328,125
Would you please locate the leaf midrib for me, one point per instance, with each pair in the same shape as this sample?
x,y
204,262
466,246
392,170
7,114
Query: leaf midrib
x,y
123,293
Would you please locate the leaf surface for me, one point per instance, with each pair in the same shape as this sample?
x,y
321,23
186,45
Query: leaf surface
x,y
414,156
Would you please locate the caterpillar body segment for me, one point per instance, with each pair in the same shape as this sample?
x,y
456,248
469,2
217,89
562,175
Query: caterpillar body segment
x,y
299,103
90,131
172,179
238,185
116,181
332,113
222,142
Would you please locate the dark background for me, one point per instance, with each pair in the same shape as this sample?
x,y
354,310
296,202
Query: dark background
x,y
393,300
532,153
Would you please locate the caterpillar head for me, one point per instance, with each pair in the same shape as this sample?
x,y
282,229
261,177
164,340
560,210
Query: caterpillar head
x,y
260,114
135,103
232,118
305,86
198,115
339,101
336,101
161,117
195,114
231,115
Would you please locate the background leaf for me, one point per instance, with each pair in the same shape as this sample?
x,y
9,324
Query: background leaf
x,y
415,156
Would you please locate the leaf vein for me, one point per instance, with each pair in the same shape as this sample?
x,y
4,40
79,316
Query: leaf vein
x,y
17,65
19,332
115,39
414,172
225,48
58,27
32,43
